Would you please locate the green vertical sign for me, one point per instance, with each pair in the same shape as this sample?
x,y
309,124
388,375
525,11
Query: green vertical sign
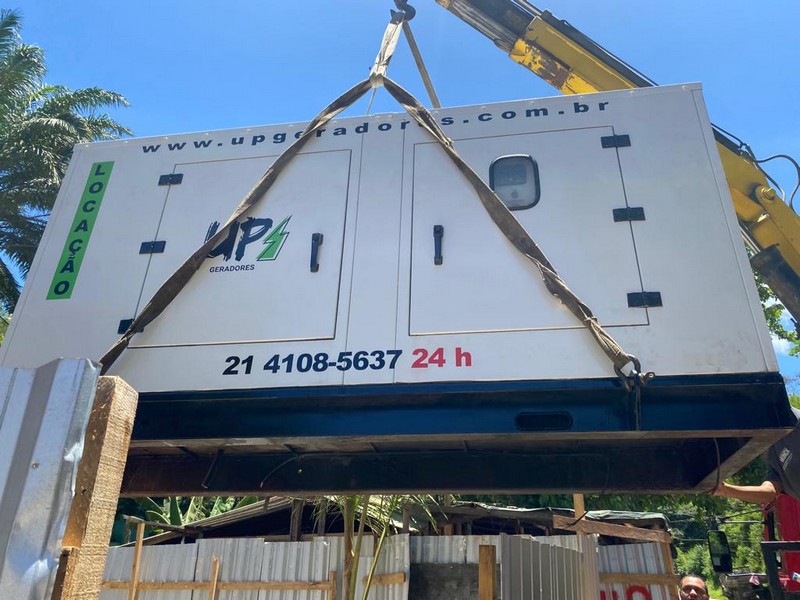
x,y
78,238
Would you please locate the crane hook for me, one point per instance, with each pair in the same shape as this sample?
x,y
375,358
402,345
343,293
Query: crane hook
x,y
409,12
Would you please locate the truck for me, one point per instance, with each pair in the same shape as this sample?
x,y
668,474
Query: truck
x,y
368,326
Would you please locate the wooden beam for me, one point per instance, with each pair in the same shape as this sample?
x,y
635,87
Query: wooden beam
x,y
487,559
99,477
387,579
221,586
610,529
639,578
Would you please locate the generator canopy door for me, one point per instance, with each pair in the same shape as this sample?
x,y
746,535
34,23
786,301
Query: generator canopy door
x,y
243,293
483,283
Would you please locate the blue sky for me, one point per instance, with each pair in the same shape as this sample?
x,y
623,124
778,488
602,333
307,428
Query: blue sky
x,y
192,66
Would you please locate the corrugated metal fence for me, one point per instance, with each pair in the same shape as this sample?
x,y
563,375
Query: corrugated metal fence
x,y
557,567
634,558
43,416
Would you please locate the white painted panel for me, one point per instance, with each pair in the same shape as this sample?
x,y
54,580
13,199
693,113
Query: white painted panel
x,y
490,317
484,283
265,263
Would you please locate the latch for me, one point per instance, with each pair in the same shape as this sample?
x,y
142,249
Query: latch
x,y
154,247
616,141
170,179
632,213
644,299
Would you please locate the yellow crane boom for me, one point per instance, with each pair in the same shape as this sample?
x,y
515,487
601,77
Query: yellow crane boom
x,y
574,64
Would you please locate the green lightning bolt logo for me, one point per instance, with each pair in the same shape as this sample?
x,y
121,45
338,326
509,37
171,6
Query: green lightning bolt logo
x,y
274,241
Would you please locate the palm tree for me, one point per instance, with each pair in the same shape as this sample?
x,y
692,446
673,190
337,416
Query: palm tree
x,y
39,125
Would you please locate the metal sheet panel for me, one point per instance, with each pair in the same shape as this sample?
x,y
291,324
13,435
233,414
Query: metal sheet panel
x,y
394,558
633,558
451,549
158,563
240,560
296,561
43,416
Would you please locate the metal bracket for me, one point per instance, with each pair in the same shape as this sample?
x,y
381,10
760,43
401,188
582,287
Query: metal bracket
x,y
633,213
616,141
154,247
171,179
644,299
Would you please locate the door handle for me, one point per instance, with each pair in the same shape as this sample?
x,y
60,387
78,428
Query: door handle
x,y
438,234
316,242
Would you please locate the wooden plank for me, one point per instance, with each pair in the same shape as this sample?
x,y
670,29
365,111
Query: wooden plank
x,y
98,482
332,589
221,585
666,553
387,579
322,515
296,521
133,584
487,559
579,505
212,585
639,578
610,529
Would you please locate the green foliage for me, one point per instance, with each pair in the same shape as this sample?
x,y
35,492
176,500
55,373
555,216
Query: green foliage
x,y
378,513
176,511
39,125
774,311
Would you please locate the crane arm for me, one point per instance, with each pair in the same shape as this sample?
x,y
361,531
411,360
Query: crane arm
x,y
574,64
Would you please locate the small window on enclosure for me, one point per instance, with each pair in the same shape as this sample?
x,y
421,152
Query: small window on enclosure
x,y
515,179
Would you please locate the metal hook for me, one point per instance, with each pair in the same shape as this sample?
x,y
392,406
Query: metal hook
x,y
409,12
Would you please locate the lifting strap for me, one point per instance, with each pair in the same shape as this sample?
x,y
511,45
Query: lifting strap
x,y
502,217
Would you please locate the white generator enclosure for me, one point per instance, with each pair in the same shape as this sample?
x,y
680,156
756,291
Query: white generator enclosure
x,y
370,294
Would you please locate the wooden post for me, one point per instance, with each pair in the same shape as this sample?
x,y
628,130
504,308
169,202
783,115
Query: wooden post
x,y
322,515
578,505
406,518
448,528
212,584
296,519
137,562
99,478
332,583
487,559
666,551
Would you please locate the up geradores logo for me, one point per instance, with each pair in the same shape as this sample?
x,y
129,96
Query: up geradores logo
x,y
241,235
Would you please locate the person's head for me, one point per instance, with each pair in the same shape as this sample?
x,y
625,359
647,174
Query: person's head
x,y
693,588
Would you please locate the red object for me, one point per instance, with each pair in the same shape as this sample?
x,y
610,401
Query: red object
x,y
787,516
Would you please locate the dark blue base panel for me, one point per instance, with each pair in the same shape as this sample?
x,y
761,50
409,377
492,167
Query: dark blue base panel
x,y
678,434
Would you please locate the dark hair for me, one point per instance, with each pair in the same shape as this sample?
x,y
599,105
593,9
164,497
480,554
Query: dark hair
x,y
705,585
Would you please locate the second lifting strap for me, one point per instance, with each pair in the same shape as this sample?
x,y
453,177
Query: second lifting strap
x,y
502,217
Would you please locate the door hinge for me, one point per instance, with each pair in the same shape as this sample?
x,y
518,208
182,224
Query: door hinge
x,y
644,299
124,324
171,179
616,141
152,247
633,213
